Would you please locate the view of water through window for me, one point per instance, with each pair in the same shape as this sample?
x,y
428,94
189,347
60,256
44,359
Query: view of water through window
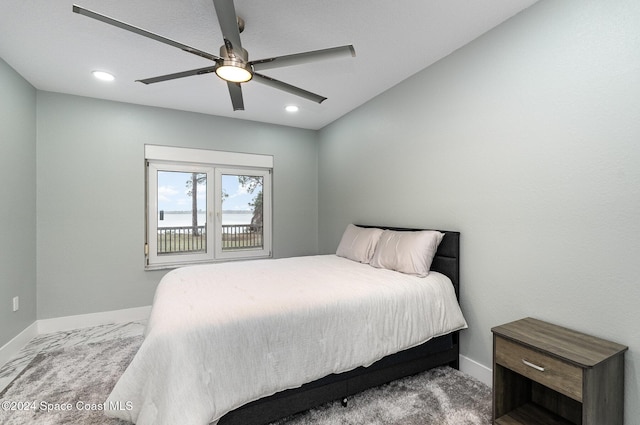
x,y
182,211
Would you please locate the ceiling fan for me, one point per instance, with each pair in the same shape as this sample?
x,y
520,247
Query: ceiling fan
x,y
233,64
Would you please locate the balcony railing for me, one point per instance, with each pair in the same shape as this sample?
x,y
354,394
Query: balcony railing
x,y
173,240
181,239
239,236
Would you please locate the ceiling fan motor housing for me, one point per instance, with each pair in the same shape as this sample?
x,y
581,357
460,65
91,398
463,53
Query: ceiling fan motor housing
x,y
239,55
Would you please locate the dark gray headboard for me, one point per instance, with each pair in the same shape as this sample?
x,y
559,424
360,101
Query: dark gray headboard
x,y
447,258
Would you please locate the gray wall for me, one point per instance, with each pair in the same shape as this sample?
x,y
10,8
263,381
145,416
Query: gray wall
x,y
90,192
528,142
17,202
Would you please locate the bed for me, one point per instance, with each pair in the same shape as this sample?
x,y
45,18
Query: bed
x,y
197,366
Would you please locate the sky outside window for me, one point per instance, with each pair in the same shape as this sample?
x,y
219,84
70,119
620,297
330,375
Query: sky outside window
x,y
173,189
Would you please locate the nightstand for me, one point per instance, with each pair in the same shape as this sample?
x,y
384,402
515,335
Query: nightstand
x,y
547,374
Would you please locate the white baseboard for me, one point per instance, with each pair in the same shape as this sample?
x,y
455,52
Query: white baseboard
x,y
68,323
11,348
479,371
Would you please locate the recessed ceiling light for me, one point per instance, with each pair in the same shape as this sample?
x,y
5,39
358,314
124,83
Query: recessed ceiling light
x,y
104,76
291,108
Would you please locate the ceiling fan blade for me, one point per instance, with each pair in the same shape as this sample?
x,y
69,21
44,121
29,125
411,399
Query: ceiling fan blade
x,y
235,91
288,88
228,20
140,31
300,58
182,74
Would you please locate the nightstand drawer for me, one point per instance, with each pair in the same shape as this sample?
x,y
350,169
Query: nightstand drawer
x,y
540,367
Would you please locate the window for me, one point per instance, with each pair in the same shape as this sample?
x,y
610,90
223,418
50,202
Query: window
x,y
205,206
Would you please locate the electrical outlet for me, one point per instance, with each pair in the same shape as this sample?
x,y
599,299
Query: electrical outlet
x,y
16,303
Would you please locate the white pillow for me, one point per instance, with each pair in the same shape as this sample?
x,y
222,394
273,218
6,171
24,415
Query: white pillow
x,y
407,252
358,243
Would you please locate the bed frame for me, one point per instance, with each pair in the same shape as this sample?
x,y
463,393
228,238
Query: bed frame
x,y
439,351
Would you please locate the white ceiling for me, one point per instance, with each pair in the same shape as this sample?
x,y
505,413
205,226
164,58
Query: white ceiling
x,y
56,50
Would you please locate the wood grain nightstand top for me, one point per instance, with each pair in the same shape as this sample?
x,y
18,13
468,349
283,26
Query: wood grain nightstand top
x,y
584,350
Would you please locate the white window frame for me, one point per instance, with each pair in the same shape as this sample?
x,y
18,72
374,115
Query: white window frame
x,y
152,215
265,251
214,164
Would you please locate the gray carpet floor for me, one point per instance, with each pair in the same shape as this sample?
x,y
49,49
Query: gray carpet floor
x,y
82,377
441,396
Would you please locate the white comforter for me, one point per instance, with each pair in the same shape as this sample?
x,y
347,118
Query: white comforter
x,y
222,335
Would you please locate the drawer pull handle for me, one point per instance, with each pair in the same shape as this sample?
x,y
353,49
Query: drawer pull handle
x,y
536,367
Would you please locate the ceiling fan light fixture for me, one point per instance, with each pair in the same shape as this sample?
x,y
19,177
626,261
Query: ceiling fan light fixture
x,y
234,71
